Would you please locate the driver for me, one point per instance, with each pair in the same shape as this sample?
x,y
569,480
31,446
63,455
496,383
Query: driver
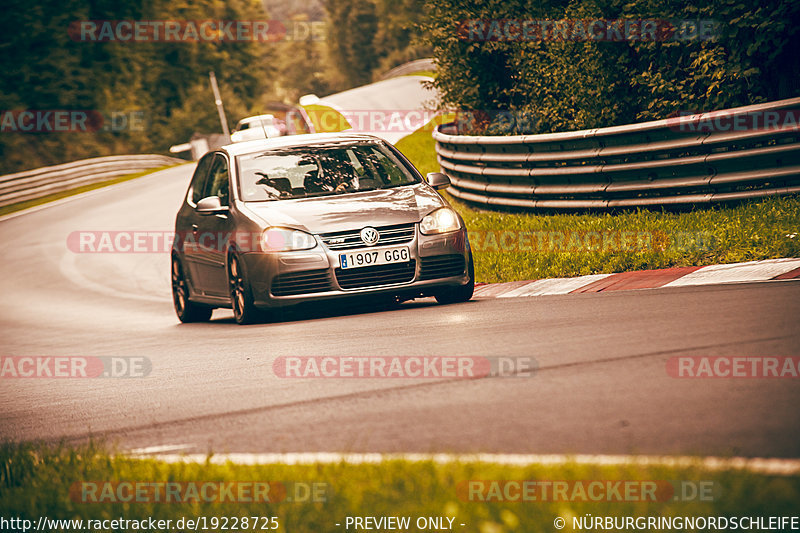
x,y
333,174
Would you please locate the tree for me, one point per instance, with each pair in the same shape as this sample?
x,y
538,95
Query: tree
x,y
352,25
585,83
47,67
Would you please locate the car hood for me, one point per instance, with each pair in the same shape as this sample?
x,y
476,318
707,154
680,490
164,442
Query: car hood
x,y
325,214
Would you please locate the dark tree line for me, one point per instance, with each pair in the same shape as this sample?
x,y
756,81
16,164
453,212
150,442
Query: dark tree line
x,y
369,37
46,68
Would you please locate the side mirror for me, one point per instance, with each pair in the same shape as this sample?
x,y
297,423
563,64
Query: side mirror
x,y
437,180
211,205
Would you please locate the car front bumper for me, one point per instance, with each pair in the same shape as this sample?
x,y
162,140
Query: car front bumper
x,y
288,278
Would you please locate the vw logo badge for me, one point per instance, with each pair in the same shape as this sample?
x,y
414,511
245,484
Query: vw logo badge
x,y
370,236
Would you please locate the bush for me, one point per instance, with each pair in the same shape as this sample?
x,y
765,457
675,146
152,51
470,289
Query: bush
x,y
572,84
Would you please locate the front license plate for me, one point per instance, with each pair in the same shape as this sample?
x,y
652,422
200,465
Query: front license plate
x,y
381,256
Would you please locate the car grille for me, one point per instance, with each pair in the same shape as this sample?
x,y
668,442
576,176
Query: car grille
x,y
345,240
441,266
374,276
301,283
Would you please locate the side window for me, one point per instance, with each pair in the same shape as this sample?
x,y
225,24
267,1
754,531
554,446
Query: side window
x,y
217,183
199,178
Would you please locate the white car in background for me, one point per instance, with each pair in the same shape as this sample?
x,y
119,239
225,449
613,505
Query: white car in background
x,y
258,127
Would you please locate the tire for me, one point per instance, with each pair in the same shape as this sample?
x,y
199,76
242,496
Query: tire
x,y
454,295
187,311
244,311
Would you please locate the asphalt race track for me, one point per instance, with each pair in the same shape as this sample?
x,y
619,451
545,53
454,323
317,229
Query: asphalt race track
x,y
602,385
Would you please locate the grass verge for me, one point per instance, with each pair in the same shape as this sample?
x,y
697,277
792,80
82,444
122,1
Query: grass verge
x,y
511,246
19,206
36,480
518,246
418,147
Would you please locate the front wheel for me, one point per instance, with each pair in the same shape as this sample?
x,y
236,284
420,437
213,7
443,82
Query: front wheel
x,y
244,311
453,295
187,311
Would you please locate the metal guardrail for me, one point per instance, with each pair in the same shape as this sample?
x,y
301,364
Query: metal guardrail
x,y
32,184
664,162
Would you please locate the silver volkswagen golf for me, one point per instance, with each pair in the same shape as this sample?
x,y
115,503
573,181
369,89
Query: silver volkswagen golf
x,y
272,223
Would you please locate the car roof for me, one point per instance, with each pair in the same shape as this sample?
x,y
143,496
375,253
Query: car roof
x,y
247,147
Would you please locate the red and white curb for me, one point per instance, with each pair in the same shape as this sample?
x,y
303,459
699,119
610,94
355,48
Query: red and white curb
x,y
766,270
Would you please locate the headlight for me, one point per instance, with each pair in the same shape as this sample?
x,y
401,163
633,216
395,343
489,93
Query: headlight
x,y
442,220
284,239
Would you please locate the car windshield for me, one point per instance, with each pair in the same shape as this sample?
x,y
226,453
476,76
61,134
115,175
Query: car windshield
x,y
298,172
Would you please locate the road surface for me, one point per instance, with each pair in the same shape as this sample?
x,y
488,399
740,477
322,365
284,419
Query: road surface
x,y
602,385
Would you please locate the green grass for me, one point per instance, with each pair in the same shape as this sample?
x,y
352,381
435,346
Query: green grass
x,y
418,147
743,232
326,119
35,480
19,206
633,240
